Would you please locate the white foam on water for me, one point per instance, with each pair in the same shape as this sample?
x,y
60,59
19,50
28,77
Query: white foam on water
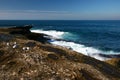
x,y
53,33
90,51
77,47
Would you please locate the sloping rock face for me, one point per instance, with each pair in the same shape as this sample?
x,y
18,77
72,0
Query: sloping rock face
x,y
25,59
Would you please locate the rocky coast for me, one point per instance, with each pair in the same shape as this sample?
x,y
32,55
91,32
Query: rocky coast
x,y
29,56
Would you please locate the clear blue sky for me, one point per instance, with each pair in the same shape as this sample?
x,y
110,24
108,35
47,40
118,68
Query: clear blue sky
x,y
60,9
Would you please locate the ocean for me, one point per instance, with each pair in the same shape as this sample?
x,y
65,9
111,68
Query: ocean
x,y
90,37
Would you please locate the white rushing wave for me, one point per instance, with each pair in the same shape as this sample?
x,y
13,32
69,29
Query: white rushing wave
x,y
53,33
81,49
90,51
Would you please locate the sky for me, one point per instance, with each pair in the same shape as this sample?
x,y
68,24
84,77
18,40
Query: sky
x,y
59,9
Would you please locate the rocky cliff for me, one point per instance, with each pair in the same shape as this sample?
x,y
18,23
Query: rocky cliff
x,y
28,56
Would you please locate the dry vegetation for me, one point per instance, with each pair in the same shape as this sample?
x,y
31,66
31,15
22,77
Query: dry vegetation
x,y
33,60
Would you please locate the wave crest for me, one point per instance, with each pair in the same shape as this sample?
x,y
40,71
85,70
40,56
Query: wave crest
x,y
53,33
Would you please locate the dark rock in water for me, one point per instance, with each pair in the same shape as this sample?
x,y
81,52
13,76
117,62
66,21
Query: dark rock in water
x,y
21,30
26,27
37,37
5,37
53,56
110,55
25,31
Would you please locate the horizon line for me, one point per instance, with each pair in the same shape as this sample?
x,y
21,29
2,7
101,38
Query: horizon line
x,y
64,19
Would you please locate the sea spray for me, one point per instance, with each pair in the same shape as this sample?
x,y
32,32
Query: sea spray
x,y
55,34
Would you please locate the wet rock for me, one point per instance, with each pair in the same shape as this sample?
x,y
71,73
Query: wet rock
x,y
110,55
24,31
37,37
21,29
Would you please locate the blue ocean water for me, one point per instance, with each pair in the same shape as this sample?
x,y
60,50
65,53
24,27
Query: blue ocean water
x,y
89,36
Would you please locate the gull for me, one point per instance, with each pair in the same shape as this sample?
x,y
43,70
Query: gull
x,y
8,44
27,48
14,46
23,48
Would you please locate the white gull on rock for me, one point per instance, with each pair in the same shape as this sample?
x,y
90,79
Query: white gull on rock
x,y
14,46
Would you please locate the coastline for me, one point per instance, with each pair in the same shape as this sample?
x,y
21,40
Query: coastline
x,y
34,58
59,38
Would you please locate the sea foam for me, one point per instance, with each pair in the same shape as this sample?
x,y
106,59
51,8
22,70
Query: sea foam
x,y
90,51
53,33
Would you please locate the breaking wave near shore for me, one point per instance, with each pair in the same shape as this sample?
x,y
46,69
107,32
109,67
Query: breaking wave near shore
x,y
69,40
